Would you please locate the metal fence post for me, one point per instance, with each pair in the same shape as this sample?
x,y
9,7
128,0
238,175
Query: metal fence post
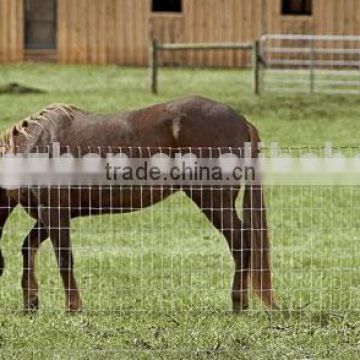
x,y
153,64
359,72
312,69
256,67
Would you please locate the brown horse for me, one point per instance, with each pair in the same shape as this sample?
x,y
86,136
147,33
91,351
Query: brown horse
x,y
186,123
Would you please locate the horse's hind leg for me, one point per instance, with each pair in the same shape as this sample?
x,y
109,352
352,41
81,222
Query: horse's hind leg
x,y
60,238
31,244
4,214
7,205
57,222
53,212
219,207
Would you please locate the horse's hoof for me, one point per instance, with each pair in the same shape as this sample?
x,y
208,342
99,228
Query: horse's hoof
x,y
73,311
74,307
31,306
239,307
2,264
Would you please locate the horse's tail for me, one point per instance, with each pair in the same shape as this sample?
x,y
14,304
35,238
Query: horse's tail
x,y
256,222
6,207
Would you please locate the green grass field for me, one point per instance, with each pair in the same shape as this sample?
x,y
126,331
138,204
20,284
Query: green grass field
x,y
156,284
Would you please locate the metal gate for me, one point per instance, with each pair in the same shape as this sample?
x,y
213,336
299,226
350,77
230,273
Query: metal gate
x,y
310,63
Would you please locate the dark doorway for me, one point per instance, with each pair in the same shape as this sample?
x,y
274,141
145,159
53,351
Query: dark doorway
x,y
167,6
40,24
296,7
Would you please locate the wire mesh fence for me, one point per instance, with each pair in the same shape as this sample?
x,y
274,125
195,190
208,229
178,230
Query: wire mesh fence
x,y
170,257
311,63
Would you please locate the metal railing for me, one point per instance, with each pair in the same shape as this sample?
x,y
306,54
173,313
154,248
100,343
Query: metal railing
x,y
156,48
310,63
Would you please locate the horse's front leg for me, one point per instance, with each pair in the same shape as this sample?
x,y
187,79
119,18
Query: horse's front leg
x,y
31,244
57,222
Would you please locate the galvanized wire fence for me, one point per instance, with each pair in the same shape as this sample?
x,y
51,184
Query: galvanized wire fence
x,y
170,258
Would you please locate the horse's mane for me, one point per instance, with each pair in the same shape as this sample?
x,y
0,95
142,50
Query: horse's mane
x,y
45,119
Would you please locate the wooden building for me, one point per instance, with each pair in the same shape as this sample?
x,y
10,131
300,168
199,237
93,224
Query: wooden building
x,y
119,31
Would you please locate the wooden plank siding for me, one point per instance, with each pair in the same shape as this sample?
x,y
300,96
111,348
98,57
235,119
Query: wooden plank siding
x,y
169,28
11,30
103,32
119,31
209,21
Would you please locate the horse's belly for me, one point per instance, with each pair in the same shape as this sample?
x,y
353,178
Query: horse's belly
x,y
116,200
91,200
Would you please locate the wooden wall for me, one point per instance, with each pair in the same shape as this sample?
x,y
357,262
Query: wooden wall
x,y
247,20
210,21
118,31
169,28
101,32
221,21
334,17
340,17
11,30
330,17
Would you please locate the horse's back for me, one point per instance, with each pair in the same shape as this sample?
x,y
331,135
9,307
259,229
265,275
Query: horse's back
x,y
205,123
188,122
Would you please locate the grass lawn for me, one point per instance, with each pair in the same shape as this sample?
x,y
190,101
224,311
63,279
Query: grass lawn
x,y
156,284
